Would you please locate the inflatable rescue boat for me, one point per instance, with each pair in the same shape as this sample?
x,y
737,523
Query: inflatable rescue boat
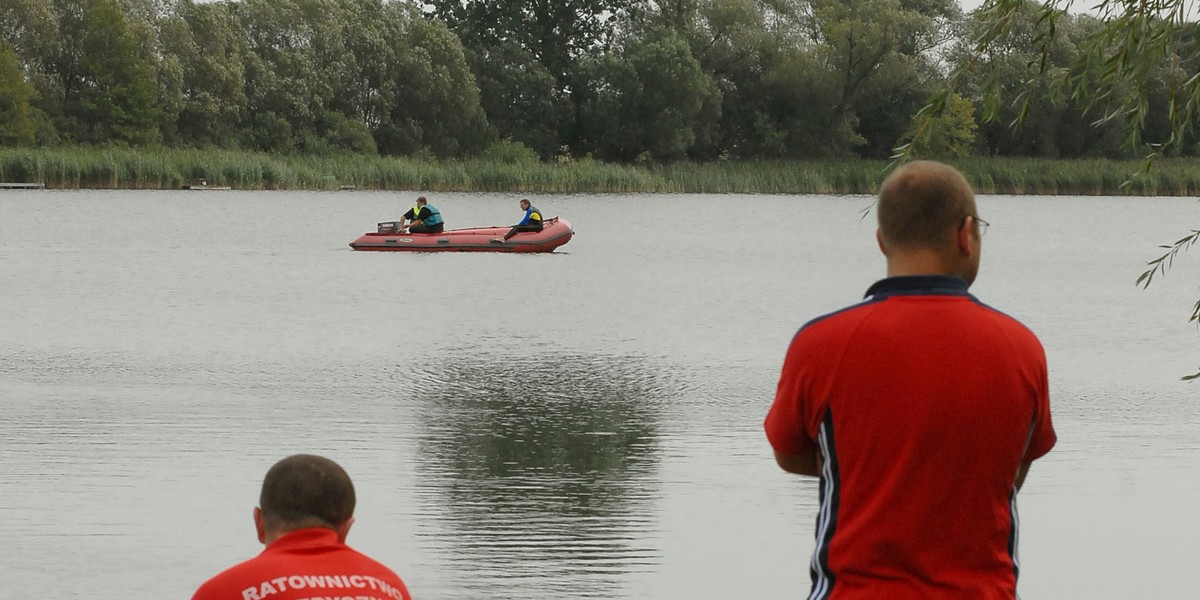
x,y
555,232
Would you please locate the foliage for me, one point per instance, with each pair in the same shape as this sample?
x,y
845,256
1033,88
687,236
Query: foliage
x,y
1137,67
798,114
621,80
1042,119
31,28
952,133
520,96
526,56
204,45
16,114
294,51
509,152
645,98
879,50
436,108
1164,262
556,34
107,91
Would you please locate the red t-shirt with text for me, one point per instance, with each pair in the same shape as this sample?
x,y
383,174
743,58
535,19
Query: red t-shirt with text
x,y
302,565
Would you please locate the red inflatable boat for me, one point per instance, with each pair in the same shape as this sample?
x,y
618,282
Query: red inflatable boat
x,y
555,232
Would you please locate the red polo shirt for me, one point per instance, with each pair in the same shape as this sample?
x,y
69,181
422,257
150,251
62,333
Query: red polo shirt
x,y
923,403
306,564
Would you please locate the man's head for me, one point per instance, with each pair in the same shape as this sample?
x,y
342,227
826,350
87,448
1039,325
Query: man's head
x,y
303,491
525,204
928,222
421,201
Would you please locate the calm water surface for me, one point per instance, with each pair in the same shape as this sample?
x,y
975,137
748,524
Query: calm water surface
x,y
584,424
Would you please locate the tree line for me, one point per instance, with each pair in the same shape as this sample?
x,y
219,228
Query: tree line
x,y
616,80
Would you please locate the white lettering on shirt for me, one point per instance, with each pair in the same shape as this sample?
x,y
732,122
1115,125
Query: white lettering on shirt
x,y
327,582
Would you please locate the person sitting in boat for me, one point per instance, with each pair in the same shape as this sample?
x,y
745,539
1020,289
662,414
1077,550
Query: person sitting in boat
x,y
423,218
532,221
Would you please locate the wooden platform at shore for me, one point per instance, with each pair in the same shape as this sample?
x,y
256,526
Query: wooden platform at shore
x,y
22,186
203,185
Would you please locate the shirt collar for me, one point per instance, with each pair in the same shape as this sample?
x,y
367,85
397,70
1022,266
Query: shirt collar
x,y
908,285
312,537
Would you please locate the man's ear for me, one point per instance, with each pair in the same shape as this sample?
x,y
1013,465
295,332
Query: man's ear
x,y
962,237
879,240
343,529
260,525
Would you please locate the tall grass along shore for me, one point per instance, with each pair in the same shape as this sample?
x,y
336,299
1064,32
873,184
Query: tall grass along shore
x,y
83,168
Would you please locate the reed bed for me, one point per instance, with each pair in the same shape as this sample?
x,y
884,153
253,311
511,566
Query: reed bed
x,y
174,168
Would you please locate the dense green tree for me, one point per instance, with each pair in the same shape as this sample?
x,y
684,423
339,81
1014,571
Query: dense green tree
x,y
16,113
108,90
622,79
358,75
520,97
437,106
797,112
283,88
811,78
145,21
160,30
557,33
527,57
953,132
734,46
94,81
779,93
203,43
645,98
348,37
881,51
1039,117
31,27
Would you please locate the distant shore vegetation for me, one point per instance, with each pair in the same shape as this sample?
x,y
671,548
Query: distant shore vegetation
x,y
608,95
518,172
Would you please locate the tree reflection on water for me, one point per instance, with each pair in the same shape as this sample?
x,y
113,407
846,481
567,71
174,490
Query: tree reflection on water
x,y
540,470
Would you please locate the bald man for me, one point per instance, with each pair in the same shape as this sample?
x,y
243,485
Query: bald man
x,y
305,512
920,409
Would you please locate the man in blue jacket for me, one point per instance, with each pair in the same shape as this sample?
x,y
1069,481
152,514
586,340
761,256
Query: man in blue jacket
x,y
531,221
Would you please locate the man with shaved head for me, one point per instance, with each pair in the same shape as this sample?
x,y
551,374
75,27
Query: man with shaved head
x,y
304,514
920,409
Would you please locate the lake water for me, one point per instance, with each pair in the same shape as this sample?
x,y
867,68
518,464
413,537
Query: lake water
x,y
583,424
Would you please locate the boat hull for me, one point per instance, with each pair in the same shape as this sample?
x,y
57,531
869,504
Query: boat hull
x,y
555,232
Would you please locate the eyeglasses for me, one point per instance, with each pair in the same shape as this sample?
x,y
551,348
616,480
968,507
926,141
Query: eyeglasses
x,y
983,225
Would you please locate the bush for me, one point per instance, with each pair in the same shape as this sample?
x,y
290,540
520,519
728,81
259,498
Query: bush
x,y
509,152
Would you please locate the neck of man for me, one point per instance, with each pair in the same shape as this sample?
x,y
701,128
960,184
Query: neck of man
x,y
920,262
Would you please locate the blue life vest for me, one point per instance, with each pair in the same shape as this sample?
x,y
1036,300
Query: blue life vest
x,y
434,218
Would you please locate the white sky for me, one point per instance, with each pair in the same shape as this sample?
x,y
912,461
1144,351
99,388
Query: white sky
x,y
1077,6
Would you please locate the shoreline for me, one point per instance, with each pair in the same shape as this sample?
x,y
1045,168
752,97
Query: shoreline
x,y
163,169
